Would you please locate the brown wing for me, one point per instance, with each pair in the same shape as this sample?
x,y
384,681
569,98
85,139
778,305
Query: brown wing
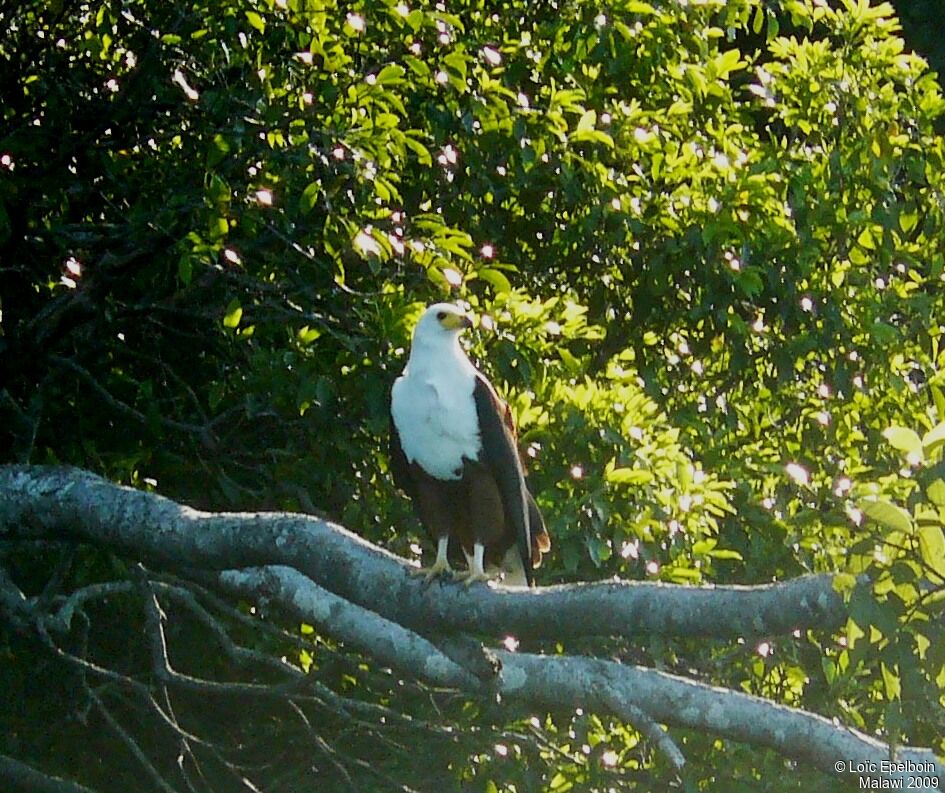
x,y
399,466
501,455
541,540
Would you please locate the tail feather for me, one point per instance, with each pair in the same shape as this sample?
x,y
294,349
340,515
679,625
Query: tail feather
x,y
513,568
541,541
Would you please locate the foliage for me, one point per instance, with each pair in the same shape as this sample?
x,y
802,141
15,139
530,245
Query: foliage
x,y
706,236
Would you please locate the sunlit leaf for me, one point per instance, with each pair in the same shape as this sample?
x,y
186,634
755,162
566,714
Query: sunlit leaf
x,y
844,582
932,548
496,278
629,476
904,439
392,74
936,492
888,514
256,21
234,313
934,438
891,682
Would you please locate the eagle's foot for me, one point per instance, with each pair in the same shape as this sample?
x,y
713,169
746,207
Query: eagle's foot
x,y
470,577
439,568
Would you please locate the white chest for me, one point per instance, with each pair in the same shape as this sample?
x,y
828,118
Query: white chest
x,y
435,416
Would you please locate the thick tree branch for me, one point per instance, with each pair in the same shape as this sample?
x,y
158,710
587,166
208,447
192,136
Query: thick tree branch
x,y
57,503
68,503
646,697
388,642
563,681
18,777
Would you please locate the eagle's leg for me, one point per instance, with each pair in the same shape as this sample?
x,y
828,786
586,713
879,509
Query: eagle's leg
x,y
476,572
441,566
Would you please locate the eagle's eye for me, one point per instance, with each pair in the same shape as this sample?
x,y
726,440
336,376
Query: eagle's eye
x,y
441,315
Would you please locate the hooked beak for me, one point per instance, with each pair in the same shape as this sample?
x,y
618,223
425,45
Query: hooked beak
x,y
457,321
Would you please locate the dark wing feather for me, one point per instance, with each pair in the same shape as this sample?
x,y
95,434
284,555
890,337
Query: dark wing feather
x,y
500,454
399,466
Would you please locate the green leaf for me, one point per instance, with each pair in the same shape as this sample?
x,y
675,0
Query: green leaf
x,y
496,278
256,21
587,122
891,682
889,515
586,130
932,548
417,66
629,476
307,334
939,398
727,62
866,240
682,574
905,440
758,22
883,333
749,281
391,74
844,583
726,553
234,313
217,151
456,62
185,269
422,152
309,198
936,492
593,136
934,438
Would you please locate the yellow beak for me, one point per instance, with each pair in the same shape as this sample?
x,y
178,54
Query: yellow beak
x,y
457,321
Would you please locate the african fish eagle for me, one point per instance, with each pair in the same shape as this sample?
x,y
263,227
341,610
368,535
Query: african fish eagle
x,y
454,452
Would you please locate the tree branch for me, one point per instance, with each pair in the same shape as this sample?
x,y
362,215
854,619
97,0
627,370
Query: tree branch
x,y
390,643
203,432
14,607
18,777
58,502
562,681
646,697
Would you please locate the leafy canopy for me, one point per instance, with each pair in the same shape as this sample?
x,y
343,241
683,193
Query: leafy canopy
x,y
707,237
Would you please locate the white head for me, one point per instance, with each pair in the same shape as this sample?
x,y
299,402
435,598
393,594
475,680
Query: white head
x,y
440,325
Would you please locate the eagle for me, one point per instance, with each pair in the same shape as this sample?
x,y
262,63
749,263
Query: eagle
x,y
454,452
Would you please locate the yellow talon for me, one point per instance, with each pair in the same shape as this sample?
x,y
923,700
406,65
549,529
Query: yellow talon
x,y
440,567
470,577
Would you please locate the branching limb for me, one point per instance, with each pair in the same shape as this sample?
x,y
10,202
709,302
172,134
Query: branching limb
x,y
203,432
561,681
362,595
130,743
637,717
18,777
389,643
69,503
14,607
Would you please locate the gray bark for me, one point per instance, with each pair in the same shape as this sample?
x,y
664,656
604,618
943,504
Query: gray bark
x,y
68,503
363,595
387,642
677,701
18,777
